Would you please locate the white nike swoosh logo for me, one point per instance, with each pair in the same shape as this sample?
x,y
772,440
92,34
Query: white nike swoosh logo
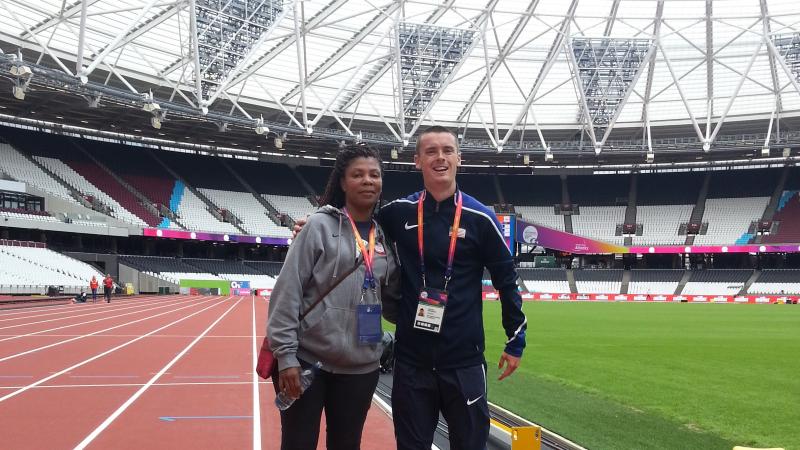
x,y
409,227
470,402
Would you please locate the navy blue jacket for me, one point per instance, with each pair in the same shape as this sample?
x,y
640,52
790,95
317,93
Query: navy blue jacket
x,y
461,340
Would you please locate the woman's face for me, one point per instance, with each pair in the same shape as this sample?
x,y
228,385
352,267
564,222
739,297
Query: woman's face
x,y
362,182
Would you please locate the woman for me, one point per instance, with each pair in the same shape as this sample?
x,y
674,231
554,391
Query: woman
x,y
342,246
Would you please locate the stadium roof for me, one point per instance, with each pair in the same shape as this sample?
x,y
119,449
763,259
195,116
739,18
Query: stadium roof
x,y
578,71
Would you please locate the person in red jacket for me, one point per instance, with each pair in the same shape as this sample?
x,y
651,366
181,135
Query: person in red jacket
x,y
108,285
93,286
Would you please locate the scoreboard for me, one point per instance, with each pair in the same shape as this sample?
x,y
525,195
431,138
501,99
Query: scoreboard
x,y
508,227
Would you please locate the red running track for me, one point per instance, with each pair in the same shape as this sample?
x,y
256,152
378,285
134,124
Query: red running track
x,y
146,372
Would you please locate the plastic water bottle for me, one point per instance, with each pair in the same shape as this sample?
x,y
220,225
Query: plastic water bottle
x,y
283,401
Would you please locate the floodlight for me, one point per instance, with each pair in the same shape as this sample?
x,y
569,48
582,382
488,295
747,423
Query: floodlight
x,y
309,129
597,149
21,71
526,159
548,155
499,149
155,121
394,153
260,127
650,157
278,143
765,151
706,146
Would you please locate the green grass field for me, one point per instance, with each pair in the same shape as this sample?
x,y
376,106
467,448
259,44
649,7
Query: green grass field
x,y
656,376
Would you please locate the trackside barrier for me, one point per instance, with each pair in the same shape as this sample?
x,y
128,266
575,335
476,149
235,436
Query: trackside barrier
x,y
766,299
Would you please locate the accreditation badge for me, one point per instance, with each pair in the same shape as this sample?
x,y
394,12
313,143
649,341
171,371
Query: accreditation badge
x,y
430,310
369,324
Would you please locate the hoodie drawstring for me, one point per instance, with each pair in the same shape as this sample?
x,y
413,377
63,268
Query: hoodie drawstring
x,y
338,250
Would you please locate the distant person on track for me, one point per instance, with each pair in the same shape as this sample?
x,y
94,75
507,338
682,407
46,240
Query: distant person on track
x,y
93,285
108,286
80,298
445,238
343,244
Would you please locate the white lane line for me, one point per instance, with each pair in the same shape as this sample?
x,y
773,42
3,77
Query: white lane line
x,y
33,350
137,311
73,316
256,397
98,356
88,439
96,308
66,303
168,384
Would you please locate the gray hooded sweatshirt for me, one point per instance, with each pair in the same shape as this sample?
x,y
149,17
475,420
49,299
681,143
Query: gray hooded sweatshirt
x,y
324,251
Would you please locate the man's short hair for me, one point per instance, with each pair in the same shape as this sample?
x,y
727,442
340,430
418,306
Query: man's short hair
x,y
436,129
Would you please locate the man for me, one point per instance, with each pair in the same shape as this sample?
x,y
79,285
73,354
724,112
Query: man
x,y
108,286
439,363
93,286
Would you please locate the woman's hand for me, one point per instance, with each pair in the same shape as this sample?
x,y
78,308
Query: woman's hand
x,y
289,382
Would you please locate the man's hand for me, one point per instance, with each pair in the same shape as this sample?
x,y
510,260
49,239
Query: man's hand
x,y
298,225
289,382
511,363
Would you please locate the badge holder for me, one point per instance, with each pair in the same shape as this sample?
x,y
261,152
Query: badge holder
x,y
430,310
369,323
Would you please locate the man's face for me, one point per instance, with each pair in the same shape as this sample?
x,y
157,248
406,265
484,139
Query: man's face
x,y
438,158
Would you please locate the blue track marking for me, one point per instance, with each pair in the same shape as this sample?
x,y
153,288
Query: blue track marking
x,y
174,418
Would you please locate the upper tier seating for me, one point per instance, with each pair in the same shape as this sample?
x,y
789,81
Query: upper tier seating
x,y
729,219
599,190
598,281
599,222
531,190
716,282
545,280
83,186
294,207
201,171
253,215
660,224
542,215
266,177
777,282
479,186
156,264
653,281
317,177
787,218
743,183
21,169
669,188
33,269
137,168
400,184
194,215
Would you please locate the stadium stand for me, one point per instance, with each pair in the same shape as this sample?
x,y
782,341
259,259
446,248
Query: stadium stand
x,y
27,214
598,281
137,168
729,219
317,177
598,190
777,282
82,185
743,183
530,190
787,215
21,169
294,207
268,178
194,214
31,270
480,186
716,282
542,215
654,281
249,210
266,267
679,188
545,280
661,223
599,222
